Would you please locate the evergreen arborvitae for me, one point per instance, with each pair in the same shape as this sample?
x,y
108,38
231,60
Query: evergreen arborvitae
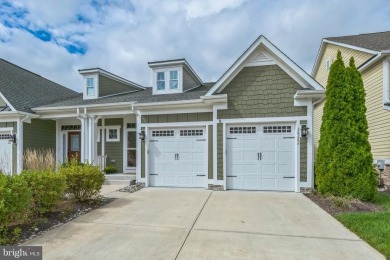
x,y
344,163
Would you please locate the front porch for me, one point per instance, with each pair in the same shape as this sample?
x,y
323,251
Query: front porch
x,y
104,141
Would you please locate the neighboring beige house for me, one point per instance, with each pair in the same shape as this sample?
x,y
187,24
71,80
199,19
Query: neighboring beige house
x,y
371,52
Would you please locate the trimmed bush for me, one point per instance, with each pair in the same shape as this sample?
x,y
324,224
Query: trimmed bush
x,y
83,181
15,198
109,170
344,160
47,189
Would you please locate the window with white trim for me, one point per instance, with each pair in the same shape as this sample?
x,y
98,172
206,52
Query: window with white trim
x,y
277,129
168,81
90,87
328,63
173,79
160,80
113,133
242,130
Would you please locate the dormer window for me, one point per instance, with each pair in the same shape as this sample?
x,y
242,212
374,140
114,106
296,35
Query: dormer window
x,y
90,87
173,79
160,80
173,76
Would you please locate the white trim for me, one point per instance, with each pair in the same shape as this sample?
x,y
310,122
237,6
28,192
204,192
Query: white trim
x,y
104,105
351,47
103,139
127,169
7,102
263,119
6,130
226,77
167,81
59,154
146,157
224,151
371,61
138,150
179,124
95,81
386,81
19,146
297,157
118,134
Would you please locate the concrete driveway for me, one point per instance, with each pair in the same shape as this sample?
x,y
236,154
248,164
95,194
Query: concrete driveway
x,y
158,223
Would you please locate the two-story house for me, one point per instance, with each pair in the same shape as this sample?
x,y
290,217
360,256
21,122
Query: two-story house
x,y
250,130
371,53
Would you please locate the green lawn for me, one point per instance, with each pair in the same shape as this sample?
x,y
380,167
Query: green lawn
x,y
374,228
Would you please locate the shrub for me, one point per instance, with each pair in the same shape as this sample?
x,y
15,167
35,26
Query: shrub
x,y
83,181
39,160
47,189
15,199
344,159
109,169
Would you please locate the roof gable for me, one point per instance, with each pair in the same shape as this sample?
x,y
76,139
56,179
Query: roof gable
x,y
378,41
263,52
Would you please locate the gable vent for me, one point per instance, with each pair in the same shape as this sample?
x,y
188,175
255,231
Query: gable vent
x,y
260,59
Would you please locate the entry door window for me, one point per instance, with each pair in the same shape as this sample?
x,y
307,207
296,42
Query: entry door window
x,y
74,145
131,148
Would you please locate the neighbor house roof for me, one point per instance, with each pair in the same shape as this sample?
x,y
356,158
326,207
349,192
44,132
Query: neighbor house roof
x,y
378,41
24,89
142,96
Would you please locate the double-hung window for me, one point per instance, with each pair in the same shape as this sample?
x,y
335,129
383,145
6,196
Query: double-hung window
x,y
90,87
173,79
160,80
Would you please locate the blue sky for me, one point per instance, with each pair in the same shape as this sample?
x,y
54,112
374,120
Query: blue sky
x,y
56,38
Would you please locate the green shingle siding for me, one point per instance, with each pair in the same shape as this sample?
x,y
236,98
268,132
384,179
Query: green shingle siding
x,y
265,91
174,118
114,150
39,134
109,86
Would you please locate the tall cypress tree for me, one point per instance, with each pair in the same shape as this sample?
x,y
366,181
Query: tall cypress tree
x,y
344,159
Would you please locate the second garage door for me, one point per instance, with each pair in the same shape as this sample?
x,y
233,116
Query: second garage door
x,y
178,157
260,157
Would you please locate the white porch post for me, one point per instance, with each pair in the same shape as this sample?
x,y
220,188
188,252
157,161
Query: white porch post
x,y
138,148
19,146
59,154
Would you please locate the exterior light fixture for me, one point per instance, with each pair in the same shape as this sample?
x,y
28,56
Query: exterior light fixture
x,y
304,131
12,138
142,136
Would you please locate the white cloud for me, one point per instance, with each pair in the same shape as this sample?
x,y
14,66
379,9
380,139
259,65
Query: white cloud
x,y
122,36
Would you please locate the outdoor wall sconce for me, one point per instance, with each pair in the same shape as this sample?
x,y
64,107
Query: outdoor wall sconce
x,y
304,131
142,136
12,138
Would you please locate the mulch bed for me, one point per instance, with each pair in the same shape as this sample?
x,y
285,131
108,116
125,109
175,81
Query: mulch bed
x,y
335,206
66,211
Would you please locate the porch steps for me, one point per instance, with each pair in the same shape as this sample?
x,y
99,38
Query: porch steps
x,y
119,179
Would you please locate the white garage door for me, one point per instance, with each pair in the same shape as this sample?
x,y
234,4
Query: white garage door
x,y
260,157
5,154
178,157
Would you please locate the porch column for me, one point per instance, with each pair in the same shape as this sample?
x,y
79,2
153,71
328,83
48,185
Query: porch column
x,y
19,146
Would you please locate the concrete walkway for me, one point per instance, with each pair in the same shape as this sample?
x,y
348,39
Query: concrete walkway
x,y
157,223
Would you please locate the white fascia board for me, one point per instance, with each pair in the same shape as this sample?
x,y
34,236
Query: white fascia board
x,y
6,101
319,55
37,109
371,62
111,76
165,104
17,114
226,77
352,47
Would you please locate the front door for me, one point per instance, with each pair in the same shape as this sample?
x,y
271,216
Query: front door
x,y
74,145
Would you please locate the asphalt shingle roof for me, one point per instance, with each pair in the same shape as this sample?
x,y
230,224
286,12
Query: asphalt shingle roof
x,y
25,89
373,41
141,96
